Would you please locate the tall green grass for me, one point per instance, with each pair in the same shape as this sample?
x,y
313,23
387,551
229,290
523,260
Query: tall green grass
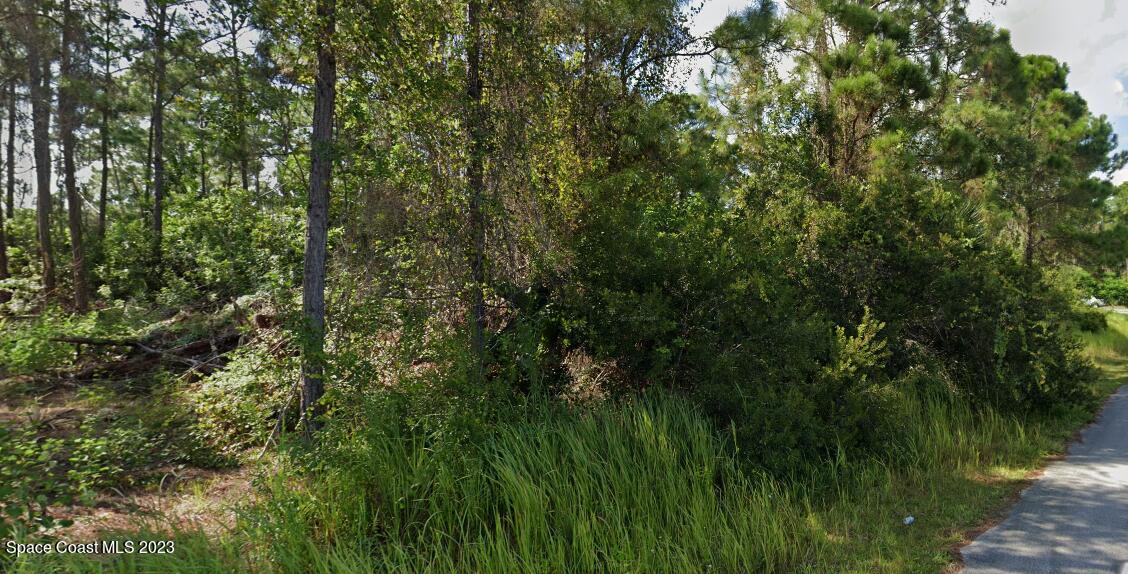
x,y
1110,344
647,485
1109,350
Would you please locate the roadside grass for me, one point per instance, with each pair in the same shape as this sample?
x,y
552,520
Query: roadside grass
x,y
1109,350
643,486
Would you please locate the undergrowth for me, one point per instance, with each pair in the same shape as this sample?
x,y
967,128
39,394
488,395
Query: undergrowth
x,y
647,484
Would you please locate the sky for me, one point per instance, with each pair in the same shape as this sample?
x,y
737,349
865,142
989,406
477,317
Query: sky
x,y
1089,35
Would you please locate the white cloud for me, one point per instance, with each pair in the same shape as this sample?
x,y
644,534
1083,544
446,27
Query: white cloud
x,y
1121,96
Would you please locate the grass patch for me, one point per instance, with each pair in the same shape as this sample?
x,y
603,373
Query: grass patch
x,y
1109,350
642,486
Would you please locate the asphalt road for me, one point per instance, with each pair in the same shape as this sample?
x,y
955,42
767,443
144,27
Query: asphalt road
x,y
1074,519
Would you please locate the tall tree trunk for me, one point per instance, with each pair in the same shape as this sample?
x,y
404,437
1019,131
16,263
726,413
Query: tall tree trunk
x,y
203,172
240,102
11,150
104,127
476,182
10,168
4,241
67,127
3,252
157,123
39,84
104,153
317,214
148,166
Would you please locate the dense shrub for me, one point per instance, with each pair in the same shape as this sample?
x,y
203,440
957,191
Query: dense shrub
x,y
29,481
236,408
224,245
215,247
787,315
1113,289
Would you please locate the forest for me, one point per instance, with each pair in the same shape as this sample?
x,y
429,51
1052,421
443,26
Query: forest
x,y
478,286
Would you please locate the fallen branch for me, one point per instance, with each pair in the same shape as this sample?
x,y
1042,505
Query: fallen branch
x,y
185,354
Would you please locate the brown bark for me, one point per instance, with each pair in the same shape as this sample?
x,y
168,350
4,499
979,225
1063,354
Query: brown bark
x,y
475,182
240,99
104,131
67,127
160,64
317,215
39,71
104,153
203,172
11,150
3,251
7,214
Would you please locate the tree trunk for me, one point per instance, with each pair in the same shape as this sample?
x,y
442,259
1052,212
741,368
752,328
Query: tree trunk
x,y
67,127
317,215
475,182
39,87
104,131
149,166
10,163
3,252
4,214
240,102
160,36
11,150
104,152
203,172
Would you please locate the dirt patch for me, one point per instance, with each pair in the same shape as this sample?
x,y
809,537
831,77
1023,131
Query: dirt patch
x,y
187,499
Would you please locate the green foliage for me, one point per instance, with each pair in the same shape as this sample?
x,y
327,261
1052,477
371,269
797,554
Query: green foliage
x,y
26,346
108,454
125,267
1113,289
216,247
840,274
29,481
224,245
645,484
235,408
31,345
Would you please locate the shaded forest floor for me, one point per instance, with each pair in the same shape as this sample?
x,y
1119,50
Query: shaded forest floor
x,y
112,424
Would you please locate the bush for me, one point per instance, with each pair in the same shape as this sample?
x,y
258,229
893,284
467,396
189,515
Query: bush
x,y
236,408
29,345
215,247
29,481
224,245
1113,289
